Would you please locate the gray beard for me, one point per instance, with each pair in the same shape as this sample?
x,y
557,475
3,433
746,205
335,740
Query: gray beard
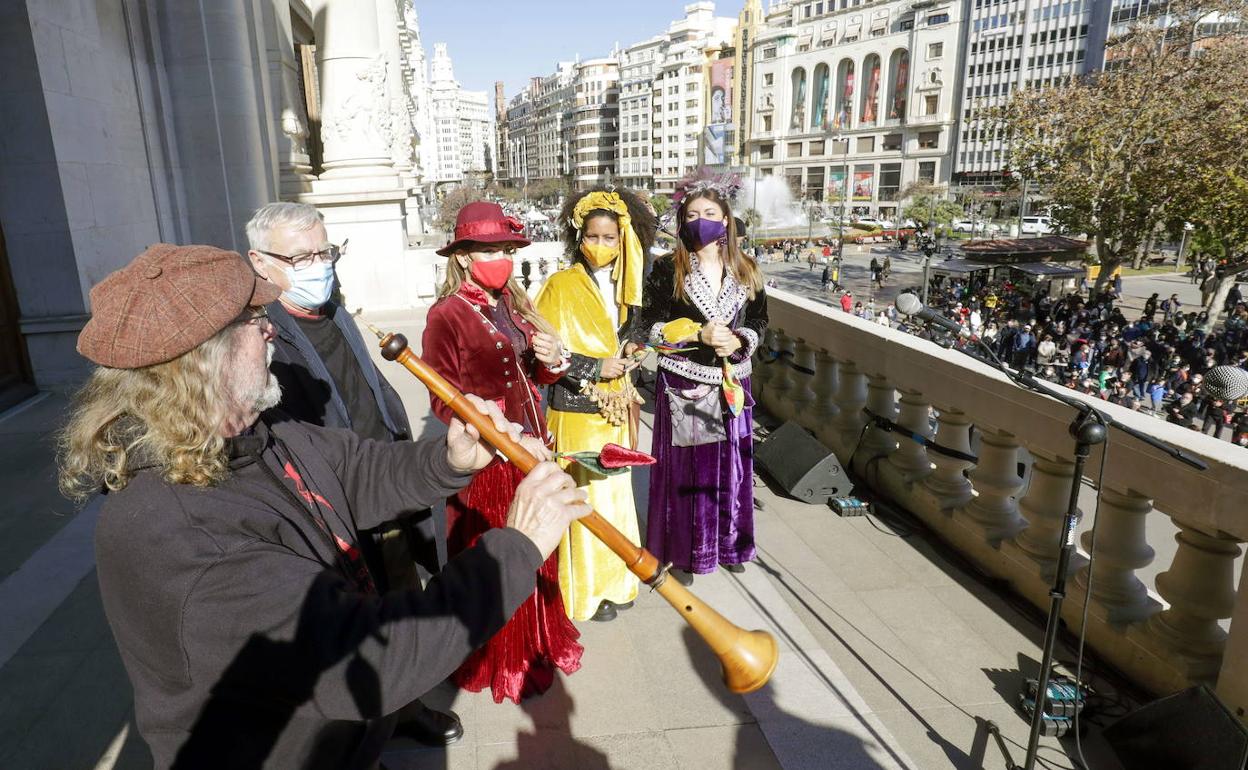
x,y
260,396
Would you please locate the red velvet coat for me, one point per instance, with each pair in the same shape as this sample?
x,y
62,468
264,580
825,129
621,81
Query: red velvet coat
x,y
461,343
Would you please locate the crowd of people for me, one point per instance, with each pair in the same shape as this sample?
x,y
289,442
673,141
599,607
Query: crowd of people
x,y
1151,360
272,560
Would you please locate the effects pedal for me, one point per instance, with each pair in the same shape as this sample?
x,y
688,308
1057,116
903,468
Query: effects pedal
x,y
849,506
1050,726
1065,698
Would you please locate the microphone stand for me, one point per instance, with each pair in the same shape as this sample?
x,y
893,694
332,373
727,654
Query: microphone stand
x,y
1089,427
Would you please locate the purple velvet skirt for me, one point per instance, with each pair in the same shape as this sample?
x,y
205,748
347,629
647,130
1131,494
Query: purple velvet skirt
x,y
701,497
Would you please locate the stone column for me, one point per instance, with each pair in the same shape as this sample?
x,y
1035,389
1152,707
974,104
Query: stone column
x,y
1200,588
994,511
1044,508
948,483
911,457
851,397
294,167
356,125
360,193
1121,549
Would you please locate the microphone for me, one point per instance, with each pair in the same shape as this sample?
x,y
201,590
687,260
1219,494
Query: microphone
x,y
1225,383
908,304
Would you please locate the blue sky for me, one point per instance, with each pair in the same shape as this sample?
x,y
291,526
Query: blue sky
x,y
513,41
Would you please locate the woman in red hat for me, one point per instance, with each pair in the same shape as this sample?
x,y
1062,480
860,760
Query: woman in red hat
x,y
484,336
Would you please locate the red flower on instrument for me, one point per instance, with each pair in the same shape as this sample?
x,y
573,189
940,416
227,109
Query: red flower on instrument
x,y
616,456
611,460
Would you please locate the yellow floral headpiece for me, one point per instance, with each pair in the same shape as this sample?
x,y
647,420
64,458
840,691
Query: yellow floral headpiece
x,y
629,266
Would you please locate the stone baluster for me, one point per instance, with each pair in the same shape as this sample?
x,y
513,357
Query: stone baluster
x,y
994,511
911,457
780,385
819,416
764,366
851,397
1121,549
1044,508
1200,589
881,399
803,373
948,483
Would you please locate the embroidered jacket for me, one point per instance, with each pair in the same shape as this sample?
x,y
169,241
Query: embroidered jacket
x,y
746,317
465,347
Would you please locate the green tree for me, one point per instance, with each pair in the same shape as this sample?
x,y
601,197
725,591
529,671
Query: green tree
x,y
454,200
927,202
1116,151
661,203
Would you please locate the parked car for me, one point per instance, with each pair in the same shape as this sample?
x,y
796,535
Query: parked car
x,y
973,226
883,224
1037,226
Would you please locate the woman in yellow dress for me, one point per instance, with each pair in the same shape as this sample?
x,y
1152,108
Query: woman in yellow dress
x,y
607,234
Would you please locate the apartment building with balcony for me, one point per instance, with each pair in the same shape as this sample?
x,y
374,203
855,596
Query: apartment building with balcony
x,y
680,93
856,99
638,65
536,135
592,123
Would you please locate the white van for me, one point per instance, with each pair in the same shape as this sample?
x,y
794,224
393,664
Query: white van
x,y
1037,226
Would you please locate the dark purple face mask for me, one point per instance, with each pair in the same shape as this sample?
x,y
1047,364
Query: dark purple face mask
x,y
698,232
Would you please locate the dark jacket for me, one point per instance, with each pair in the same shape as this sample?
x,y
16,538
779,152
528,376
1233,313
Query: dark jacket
x,y
747,318
309,393
250,641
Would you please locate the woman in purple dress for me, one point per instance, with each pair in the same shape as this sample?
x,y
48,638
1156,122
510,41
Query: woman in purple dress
x,y
702,490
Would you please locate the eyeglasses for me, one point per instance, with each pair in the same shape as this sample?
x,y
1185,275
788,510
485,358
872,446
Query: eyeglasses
x,y
299,261
258,317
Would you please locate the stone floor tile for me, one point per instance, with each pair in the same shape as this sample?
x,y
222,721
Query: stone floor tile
x,y
726,747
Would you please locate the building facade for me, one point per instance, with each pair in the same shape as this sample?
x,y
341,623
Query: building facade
x,y
638,64
1013,44
680,93
536,127
592,125
163,123
502,157
749,21
462,123
853,101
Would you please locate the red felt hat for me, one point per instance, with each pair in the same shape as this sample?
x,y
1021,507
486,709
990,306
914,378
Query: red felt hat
x,y
484,222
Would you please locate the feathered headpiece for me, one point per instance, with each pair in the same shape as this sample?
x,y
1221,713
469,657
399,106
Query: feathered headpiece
x,y
727,184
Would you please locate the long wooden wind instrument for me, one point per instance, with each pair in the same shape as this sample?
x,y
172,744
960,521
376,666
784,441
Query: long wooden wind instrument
x,y
748,658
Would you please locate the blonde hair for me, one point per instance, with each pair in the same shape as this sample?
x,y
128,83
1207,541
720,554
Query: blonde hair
x,y
166,416
743,269
456,274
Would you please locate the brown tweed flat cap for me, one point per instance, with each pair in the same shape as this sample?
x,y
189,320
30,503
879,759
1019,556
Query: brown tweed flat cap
x,y
166,302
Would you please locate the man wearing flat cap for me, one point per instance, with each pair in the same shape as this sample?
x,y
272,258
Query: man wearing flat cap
x,y
228,545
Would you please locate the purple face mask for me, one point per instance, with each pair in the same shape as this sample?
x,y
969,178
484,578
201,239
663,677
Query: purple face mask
x,y
698,232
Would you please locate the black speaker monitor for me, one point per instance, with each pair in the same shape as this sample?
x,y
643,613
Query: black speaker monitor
x,y
1190,730
801,465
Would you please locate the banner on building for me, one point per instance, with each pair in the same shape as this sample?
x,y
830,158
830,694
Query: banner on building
x,y
721,91
836,186
714,145
862,185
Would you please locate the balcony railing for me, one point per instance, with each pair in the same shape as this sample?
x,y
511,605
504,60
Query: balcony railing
x,y
1167,635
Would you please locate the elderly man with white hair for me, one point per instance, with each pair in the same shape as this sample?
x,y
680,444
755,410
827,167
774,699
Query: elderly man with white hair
x,y
228,544
328,379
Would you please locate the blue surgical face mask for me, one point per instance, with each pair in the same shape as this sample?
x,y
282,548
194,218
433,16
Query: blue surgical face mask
x,y
310,286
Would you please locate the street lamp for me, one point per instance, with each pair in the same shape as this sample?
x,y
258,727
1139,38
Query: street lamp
x,y
837,136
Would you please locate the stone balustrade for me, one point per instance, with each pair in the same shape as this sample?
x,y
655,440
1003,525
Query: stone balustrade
x,y
822,368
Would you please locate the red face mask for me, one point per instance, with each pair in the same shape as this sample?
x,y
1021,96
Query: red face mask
x,y
491,275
